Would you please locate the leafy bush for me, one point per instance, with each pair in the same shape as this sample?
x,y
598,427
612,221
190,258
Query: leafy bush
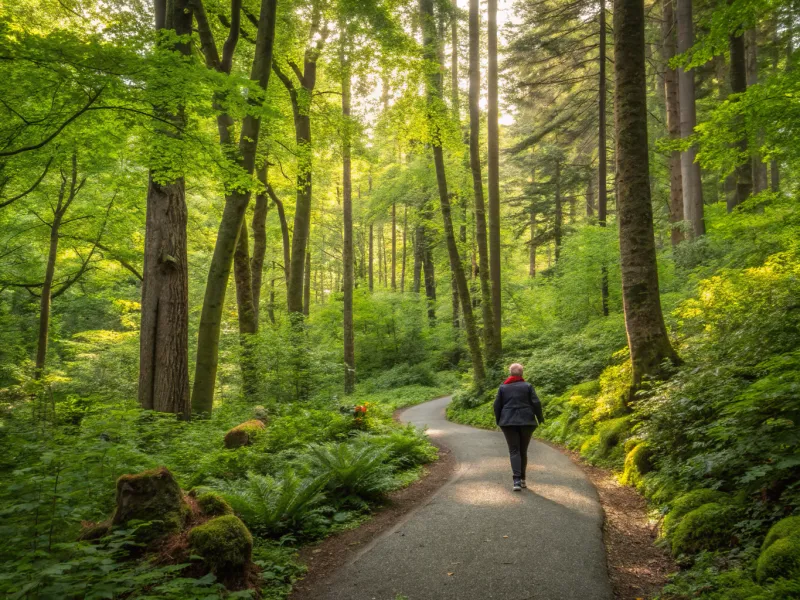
x,y
688,502
405,447
780,559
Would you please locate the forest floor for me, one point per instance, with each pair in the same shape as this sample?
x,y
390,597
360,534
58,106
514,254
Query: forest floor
x,y
475,539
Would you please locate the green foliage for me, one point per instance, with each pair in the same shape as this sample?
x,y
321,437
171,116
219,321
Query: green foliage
x,y
406,447
637,464
274,505
780,559
224,543
353,471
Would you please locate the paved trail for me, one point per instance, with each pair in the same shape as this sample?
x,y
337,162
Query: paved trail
x,y
478,540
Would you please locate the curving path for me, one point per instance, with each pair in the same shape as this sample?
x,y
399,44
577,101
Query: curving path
x,y
478,540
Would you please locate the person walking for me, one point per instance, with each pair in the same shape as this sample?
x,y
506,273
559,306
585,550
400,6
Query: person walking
x,y
518,412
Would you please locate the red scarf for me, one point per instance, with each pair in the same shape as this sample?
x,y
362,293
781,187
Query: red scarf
x,y
513,379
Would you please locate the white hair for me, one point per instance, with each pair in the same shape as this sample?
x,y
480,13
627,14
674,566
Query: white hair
x,y
515,370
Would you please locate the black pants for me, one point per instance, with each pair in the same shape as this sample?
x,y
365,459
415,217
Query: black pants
x,y
518,438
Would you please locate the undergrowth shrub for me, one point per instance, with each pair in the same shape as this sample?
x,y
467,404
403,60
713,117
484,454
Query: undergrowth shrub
x,y
354,472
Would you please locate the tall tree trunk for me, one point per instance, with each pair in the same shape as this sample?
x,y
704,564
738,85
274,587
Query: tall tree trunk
x,y
403,266
347,216
532,245
647,335
164,329
248,324
307,284
417,246
381,258
690,169
394,248
233,216
428,272
371,259
673,119
493,163
759,175
559,213
434,88
590,195
744,173
259,241
454,103
477,181
271,305
602,151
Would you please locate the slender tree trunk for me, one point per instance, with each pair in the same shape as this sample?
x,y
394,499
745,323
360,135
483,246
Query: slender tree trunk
x,y
307,284
248,324
403,266
381,257
429,273
371,260
417,245
477,180
347,212
47,287
759,175
259,242
690,169
744,173
532,245
394,248
774,174
647,335
602,151
590,195
233,216
559,213
164,329
271,306
673,119
454,103
434,87
493,163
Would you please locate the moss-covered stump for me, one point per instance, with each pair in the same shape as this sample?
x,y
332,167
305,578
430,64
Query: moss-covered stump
x,y
780,559
213,505
685,504
226,546
244,434
151,496
705,528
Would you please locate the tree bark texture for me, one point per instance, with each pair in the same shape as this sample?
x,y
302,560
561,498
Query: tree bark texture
x,y
493,164
433,89
475,167
602,150
259,226
668,46
164,329
647,335
744,173
690,169
347,249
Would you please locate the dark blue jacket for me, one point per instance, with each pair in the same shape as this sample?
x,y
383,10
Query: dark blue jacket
x,y
517,405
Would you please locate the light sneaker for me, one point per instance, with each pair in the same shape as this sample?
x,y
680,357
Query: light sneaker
x,y
522,483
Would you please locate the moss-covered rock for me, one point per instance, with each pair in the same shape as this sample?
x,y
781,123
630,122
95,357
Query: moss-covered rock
x,y
150,496
780,559
226,546
637,464
788,527
244,434
94,531
705,528
688,502
213,505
